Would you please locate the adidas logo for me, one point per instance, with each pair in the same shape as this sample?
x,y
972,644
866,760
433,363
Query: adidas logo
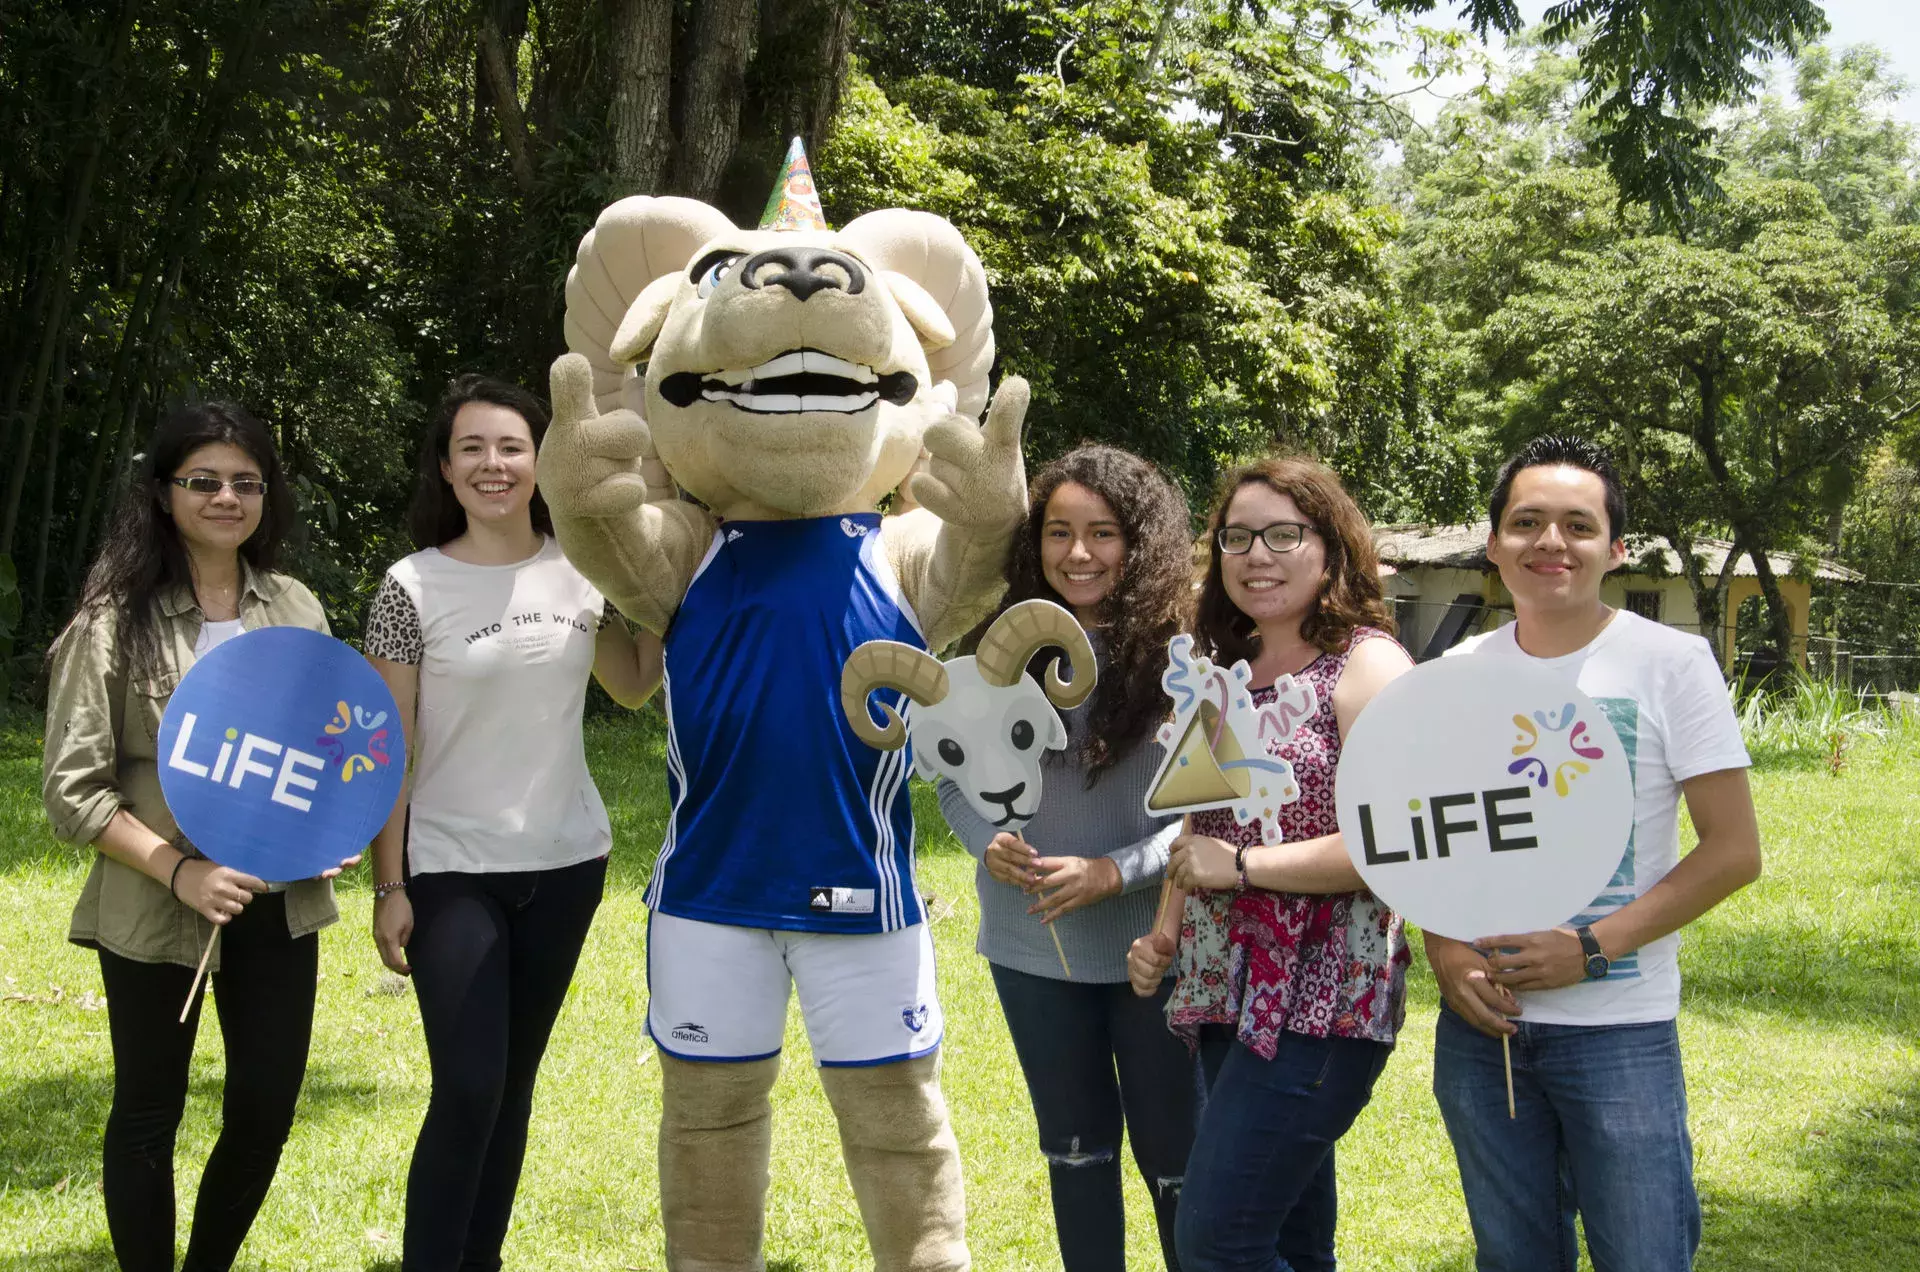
x,y
735,534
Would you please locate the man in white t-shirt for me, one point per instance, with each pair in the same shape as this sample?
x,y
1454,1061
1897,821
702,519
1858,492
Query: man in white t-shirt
x,y
1601,1108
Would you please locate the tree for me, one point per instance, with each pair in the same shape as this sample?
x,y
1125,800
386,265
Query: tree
x,y
324,208
1743,374
1837,134
1652,69
1167,202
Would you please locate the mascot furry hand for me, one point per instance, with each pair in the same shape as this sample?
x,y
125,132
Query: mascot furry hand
x,y
792,377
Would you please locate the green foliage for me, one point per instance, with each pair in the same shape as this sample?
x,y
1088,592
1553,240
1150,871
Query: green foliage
x,y
1806,722
1651,70
312,206
1741,374
1166,203
1881,538
1836,134
9,622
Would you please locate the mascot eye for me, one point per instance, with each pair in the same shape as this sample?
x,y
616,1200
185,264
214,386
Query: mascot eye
x,y
716,273
1022,734
950,752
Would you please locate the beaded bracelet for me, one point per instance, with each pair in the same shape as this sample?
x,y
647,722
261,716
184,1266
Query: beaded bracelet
x,y
1240,864
381,891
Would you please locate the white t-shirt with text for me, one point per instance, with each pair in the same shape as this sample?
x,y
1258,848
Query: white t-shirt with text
x,y
500,779
1665,697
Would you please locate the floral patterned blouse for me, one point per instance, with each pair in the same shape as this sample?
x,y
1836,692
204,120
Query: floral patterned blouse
x,y
1320,965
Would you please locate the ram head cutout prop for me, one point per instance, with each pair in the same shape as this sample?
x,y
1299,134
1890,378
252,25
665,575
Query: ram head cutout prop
x,y
979,721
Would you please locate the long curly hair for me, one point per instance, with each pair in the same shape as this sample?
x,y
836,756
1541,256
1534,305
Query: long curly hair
x,y
1146,608
143,555
1350,593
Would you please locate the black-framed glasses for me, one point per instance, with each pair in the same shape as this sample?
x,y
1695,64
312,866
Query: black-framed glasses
x,y
242,487
1281,536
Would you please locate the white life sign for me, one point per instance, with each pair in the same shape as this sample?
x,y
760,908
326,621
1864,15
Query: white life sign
x,y
1483,796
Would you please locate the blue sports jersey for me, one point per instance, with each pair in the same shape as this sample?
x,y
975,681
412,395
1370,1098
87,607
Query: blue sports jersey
x,y
782,817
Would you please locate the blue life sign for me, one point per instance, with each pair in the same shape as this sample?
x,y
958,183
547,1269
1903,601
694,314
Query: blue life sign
x,y
281,753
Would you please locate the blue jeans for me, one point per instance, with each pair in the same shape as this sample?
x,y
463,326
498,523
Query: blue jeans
x,y
1093,1056
1600,1128
1260,1182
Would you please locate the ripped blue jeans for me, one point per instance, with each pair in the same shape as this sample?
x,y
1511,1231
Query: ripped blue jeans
x,y
1095,1056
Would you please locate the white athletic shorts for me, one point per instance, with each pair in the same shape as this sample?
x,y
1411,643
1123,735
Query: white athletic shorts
x,y
719,993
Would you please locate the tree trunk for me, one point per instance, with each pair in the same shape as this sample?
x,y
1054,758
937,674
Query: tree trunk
x,y
125,432
1161,30
52,323
799,68
640,113
503,94
49,482
52,334
710,91
1709,592
179,226
1779,617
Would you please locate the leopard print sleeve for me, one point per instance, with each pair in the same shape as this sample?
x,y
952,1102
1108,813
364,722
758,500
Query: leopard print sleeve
x,y
393,626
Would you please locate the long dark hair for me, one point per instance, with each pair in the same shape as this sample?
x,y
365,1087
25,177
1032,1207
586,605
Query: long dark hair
x,y
1350,594
143,555
1145,609
435,515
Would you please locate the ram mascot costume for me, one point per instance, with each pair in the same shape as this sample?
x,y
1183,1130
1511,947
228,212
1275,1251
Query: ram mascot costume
x,y
787,379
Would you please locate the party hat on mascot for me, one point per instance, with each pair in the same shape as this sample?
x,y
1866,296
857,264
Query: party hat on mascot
x,y
794,203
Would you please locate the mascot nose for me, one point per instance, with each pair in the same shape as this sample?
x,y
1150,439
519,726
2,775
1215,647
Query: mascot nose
x,y
804,271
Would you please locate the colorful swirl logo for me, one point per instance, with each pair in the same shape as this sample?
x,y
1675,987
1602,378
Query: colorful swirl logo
x,y
1535,769
360,758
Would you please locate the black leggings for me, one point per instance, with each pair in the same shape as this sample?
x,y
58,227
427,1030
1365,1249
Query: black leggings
x,y
263,995
492,956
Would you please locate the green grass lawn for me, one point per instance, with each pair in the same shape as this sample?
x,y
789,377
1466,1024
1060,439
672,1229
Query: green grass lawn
x,y
1800,1026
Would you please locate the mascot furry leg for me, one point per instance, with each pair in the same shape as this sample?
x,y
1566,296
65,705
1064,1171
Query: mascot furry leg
x,y
716,1132
904,1163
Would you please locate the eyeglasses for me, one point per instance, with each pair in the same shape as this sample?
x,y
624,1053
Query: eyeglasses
x,y
242,487
1281,536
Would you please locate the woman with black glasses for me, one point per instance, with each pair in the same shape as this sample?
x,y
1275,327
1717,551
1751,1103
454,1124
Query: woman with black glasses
x,y
1291,975
187,565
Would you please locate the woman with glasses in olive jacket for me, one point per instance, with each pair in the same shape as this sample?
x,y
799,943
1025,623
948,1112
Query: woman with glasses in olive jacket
x,y
187,565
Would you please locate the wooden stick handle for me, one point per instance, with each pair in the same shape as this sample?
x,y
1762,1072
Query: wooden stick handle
x,y
1173,902
1052,931
198,974
1061,950
1506,1055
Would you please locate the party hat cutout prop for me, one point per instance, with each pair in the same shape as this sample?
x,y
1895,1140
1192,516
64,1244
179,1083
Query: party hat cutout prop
x,y
794,204
1217,741
1192,775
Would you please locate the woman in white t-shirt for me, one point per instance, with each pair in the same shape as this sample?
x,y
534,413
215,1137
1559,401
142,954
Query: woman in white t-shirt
x,y
491,867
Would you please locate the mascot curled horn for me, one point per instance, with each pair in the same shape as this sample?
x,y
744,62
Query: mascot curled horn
x,y
790,379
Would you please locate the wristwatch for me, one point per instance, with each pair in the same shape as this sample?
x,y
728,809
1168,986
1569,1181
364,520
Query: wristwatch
x,y
1596,961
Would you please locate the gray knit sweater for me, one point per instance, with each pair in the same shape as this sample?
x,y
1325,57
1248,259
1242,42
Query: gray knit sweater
x,y
1109,820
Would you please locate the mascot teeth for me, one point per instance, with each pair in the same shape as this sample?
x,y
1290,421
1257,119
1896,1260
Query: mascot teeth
x,y
797,381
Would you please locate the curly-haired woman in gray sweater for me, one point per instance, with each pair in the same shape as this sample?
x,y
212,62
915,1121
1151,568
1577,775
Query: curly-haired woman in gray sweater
x,y
1106,536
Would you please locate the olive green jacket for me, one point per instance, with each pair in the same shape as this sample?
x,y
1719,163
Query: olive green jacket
x,y
103,726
